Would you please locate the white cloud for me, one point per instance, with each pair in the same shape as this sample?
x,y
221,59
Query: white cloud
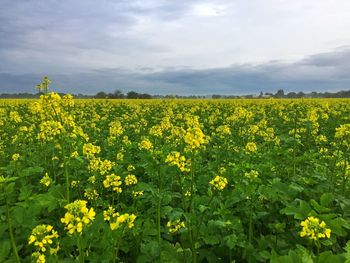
x,y
208,9
81,35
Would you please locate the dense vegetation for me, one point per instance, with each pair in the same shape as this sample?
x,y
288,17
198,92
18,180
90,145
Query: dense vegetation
x,y
174,180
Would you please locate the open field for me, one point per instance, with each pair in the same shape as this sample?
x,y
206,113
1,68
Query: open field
x,y
174,180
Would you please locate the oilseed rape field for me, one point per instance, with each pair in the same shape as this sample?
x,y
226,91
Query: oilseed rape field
x,y
174,180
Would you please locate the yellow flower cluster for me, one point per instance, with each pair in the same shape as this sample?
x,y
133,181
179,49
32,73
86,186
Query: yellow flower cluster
x,y
46,180
130,179
314,229
219,182
91,194
77,216
137,193
90,150
131,168
115,129
102,166
113,181
50,129
44,238
127,219
145,144
252,174
194,138
15,117
342,131
223,130
176,159
109,213
250,147
15,157
175,226
116,220
38,257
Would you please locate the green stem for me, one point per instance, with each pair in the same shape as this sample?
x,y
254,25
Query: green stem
x,y
117,244
294,143
250,229
67,180
13,241
190,230
202,217
80,247
159,203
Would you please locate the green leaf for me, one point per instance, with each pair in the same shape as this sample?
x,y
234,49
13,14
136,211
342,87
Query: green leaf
x,y
5,249
9,188
211,239
32,171
328,257
326,198
24,193
231,241
300,212
319,208
347,253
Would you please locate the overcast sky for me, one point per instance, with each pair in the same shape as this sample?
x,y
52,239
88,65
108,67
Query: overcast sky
x,y
182,47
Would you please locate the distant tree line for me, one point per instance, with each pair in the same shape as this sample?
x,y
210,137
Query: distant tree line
x,y
135,95
280,94
120,95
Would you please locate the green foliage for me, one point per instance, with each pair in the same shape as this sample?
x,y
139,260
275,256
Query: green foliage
x,y
215,201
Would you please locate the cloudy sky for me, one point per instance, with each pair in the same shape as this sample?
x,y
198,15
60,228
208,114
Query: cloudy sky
x,y
175,47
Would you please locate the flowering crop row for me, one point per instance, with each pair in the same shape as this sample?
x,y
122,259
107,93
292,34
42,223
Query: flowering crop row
x,y
174,180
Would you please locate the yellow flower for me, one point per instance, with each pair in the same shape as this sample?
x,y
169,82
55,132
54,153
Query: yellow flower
x,y
15,117
110,213
175,226
219,182
38,257
77,216
115,129
252,174
90,150
49,130
44,238
46,180
103,166
194,138
130,179
113,181
127,219
131,168
91,194
137,193
74,154
250,147
145,144
176,159
74,183
314,229
342,131
223,130
15,156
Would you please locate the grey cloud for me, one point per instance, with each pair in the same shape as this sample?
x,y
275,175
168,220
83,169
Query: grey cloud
x,y
308,74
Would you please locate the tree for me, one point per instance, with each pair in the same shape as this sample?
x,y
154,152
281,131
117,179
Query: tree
x,y
292,95
101,95
279,93
118,94
132,95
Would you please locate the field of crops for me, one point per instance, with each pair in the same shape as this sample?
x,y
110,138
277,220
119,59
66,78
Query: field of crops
x,y
174,180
